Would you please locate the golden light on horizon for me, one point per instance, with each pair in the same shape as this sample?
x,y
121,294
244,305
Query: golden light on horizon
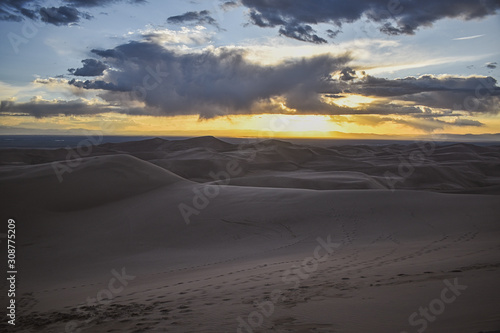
x,y
258,125
292,123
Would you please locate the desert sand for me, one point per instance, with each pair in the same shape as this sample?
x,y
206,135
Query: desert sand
x,y
203,235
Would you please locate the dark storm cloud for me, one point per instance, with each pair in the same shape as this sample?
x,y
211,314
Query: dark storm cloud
x,y
16,10
375,86
476,93
8,16
66,13
473,94
202,17
394,16
94,84
209,83
464,100
222,82
91,67
31,14
107,53
62,15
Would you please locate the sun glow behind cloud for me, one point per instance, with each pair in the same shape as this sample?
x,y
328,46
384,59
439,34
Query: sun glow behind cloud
x,y
350,100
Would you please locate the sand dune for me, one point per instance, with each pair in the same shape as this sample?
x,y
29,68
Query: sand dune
x,y
426,166
83,184
297,239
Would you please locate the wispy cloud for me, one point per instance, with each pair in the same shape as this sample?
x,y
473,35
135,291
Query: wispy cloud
x,y
468,37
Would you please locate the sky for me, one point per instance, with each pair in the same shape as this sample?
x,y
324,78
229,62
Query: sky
x,y
249,68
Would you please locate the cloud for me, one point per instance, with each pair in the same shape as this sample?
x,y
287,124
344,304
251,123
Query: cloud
x,y
197,35
40,108
91,67
347,74
473,93
333,33
16,10
491,65
209,83
427,124
468,37
395,17
467,122
426,83
432,124
95,84
63,15
196,18
66,13
227,5
222,81
301,32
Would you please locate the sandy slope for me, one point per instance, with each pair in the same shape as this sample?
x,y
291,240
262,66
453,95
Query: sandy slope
x,y
112,230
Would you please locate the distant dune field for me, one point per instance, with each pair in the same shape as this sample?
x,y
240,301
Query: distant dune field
x,y
202,235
